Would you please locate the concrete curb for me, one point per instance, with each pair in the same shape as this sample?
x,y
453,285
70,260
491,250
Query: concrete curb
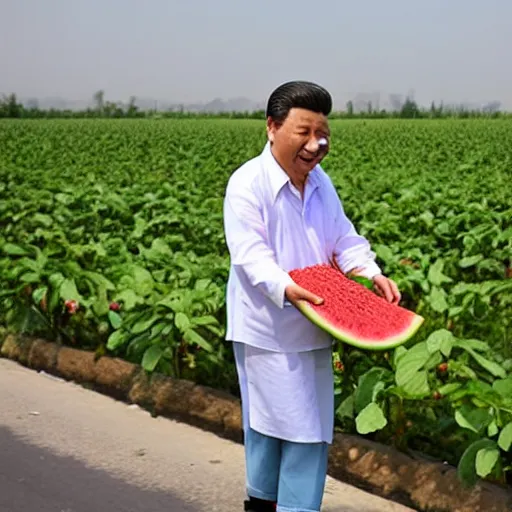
x,y
417,483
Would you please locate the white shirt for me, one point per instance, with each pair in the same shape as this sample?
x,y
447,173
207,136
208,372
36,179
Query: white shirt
x,y
270,231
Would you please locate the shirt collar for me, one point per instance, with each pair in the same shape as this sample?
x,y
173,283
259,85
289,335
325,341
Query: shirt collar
x,y
276,175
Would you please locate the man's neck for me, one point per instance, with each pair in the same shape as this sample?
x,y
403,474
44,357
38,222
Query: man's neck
x,y
299,182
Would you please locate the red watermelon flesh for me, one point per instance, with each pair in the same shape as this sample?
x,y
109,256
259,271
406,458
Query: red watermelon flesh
x,y
351,312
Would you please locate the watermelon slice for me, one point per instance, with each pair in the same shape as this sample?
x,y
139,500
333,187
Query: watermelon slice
x,y
351,312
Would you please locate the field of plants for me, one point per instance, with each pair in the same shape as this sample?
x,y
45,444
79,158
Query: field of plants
x,y
111,240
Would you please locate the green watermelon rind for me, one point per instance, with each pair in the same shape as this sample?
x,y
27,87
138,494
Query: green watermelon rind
x,y
306,308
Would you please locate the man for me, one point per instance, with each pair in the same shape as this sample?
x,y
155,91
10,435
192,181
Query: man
x,y
281,211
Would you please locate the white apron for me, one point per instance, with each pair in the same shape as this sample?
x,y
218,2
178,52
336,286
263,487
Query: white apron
x,y
287,395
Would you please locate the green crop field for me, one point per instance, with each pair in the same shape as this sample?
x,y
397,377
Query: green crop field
x,y
111,240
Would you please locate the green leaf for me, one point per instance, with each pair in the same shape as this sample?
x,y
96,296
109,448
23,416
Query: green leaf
x,y
192,337
427,217
469,372
492,429
202,284
505,438
56,280
455,311
435,359
414,359
346,408
204,320
151,357
143,280
384,252
470,261
483,288
28,264
63,198
486,459
160,246
492,367
435,274
473,419
466,469
363,281
159,275
140,225
39,293
157,330
437,300
447,346
481,389
68,290
398,354
503,386
116,340
101,305
42,218
144,325
449,388
501,288
14,250
30,277
417,386
369,385
115,319
99,279
171,303
482,346
181,321
408,375
442,338
370,419
129,298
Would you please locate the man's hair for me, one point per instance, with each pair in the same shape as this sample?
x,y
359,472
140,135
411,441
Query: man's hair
x,y
298,94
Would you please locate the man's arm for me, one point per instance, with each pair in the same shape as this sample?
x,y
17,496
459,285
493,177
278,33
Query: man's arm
x,y
353,254
250,252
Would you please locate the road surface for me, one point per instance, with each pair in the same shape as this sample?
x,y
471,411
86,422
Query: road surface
x,y
64,448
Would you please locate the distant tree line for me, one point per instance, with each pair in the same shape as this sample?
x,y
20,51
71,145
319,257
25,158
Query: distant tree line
x,y
11,108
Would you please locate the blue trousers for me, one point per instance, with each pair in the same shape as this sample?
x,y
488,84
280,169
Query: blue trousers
x,y
291,474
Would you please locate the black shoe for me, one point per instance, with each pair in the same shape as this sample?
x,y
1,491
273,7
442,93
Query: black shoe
x,y
257,505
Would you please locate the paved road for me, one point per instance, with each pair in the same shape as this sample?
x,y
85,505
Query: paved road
x,y
64,448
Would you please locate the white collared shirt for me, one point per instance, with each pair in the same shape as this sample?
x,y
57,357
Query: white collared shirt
x,y
270,231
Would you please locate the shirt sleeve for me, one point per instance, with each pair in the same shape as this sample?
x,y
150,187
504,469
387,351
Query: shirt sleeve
x,y
351,250
250,252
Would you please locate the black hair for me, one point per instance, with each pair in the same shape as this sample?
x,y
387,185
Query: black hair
x,y
298,94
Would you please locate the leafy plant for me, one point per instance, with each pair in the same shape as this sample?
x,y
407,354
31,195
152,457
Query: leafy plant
x,y
111,239
457,382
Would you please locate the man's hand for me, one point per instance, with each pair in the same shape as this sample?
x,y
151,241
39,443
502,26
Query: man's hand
x,y
294,293
386,288
383,286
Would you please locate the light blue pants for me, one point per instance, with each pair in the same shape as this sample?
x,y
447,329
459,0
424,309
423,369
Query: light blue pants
x,y
291,474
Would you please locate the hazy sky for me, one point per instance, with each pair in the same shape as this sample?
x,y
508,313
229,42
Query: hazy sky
x,y
196,50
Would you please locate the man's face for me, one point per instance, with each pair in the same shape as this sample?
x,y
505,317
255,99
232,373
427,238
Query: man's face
x,y
296,143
